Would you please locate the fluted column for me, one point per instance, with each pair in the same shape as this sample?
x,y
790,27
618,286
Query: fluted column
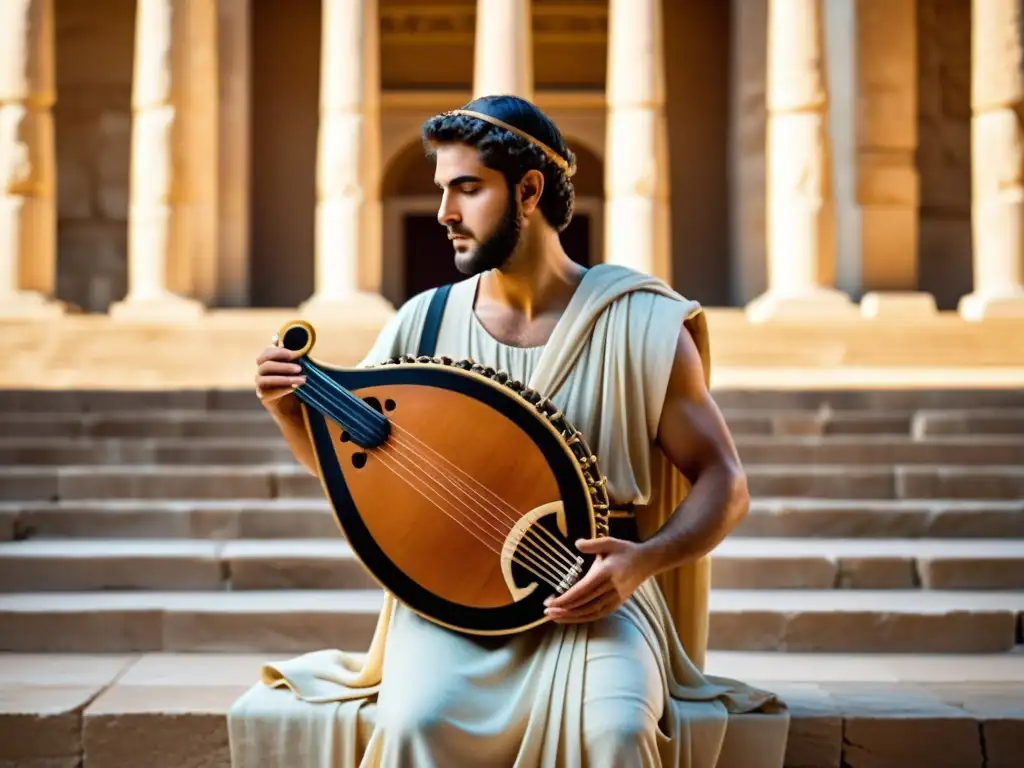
x,y
636,150
997,160
799,207
348,209
160,216
27,210
503,53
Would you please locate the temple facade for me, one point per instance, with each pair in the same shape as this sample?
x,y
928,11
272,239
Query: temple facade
x,y
161,158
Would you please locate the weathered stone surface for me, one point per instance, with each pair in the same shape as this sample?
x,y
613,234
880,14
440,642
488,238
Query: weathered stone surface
x,y
821,482
28,566
1003,421
76,624
294,565
883,518
35,483
149,482
883,729
958,482
880,450
849,621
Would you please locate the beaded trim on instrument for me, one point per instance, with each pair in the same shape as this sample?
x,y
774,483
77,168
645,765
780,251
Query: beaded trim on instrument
x,y
596,482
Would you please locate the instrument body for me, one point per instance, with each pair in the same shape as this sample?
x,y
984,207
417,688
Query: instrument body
x,y
461,492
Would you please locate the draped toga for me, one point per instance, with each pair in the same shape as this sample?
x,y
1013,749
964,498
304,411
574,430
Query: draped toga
x,y
625,690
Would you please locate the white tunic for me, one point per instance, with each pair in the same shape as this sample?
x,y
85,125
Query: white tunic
x,y
619,692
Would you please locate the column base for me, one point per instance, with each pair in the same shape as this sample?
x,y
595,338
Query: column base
x,y
30,305
814,305
894,305
977,306
362,306
165,309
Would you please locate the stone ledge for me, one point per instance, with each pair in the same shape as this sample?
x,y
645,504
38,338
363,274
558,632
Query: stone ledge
x,y
844,710
312,518
836,621
47,565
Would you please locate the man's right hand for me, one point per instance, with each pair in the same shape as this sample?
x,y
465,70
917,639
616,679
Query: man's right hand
x,y
276,377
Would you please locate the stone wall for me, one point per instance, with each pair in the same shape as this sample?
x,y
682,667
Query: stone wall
x,y
944,153
94,44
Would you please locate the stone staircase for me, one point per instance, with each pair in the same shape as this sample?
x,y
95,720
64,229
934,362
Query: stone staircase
x,y
156,547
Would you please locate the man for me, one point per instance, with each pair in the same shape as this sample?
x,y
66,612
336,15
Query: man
x,y
607,682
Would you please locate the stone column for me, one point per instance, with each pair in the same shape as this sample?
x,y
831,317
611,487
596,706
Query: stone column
x,y
27,155
636,147
997,160
348,211
160,224
800,226
503,53
233,48
872,61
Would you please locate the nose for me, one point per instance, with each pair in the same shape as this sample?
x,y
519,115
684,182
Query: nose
x,y
447,213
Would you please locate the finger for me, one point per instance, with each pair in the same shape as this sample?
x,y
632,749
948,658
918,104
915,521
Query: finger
x,y
267,384
582,591
270,367
583,603
606,606
275,353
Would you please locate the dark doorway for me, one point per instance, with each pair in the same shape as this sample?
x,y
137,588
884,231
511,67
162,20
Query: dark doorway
x,y
429,260
285,121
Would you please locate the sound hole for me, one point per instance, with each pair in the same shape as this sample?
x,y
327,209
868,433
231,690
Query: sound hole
x,y
359,460
374,403
390,405
345,436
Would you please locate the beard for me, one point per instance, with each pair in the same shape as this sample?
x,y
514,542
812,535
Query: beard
x,y
496,251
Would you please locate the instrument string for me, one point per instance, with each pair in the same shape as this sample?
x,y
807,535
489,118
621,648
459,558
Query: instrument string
x,y
318,395
564,563
511,516
354,413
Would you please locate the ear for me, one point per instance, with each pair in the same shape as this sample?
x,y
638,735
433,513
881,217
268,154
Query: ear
x,y
531,186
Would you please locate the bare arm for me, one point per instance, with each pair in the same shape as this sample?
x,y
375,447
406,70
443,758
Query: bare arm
x,y
693,435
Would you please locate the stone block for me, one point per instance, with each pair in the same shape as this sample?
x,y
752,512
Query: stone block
x,y
109,519
1004,421
903,725
877,573
337,620
959,482
31,624
821,482
773,573
8,522
1006,573
74,566
297,483
28,484
161,726
164,482
37,425
816,727
42,725
290,520
867,424
294,565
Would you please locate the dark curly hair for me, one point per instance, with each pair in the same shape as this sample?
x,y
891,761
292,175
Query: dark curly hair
x,y
512,155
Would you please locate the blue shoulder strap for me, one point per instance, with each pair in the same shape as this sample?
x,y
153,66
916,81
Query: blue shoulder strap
x,y
432,323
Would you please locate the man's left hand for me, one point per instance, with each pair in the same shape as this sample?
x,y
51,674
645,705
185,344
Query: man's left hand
x,y
613,577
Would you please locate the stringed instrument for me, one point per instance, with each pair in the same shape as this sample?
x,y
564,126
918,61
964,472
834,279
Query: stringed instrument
x,y
461,491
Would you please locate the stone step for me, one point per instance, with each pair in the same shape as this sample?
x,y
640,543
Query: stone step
x,y
91,565
832,621
288,480
754,450
312,518
742,421
899,399
964,710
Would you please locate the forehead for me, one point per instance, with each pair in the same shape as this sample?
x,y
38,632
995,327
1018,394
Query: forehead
x,y
457,160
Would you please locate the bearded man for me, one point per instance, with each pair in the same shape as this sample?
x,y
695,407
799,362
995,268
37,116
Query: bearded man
x,y
614,679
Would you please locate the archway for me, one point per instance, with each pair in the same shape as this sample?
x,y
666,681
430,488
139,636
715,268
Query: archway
x,y
416,251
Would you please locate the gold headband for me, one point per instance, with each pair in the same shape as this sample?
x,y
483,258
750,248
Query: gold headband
x,y
553,156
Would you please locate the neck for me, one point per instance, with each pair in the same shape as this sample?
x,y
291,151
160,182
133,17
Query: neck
x,y
540,277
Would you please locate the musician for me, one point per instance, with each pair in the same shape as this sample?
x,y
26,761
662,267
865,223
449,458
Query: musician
x,y
614,679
